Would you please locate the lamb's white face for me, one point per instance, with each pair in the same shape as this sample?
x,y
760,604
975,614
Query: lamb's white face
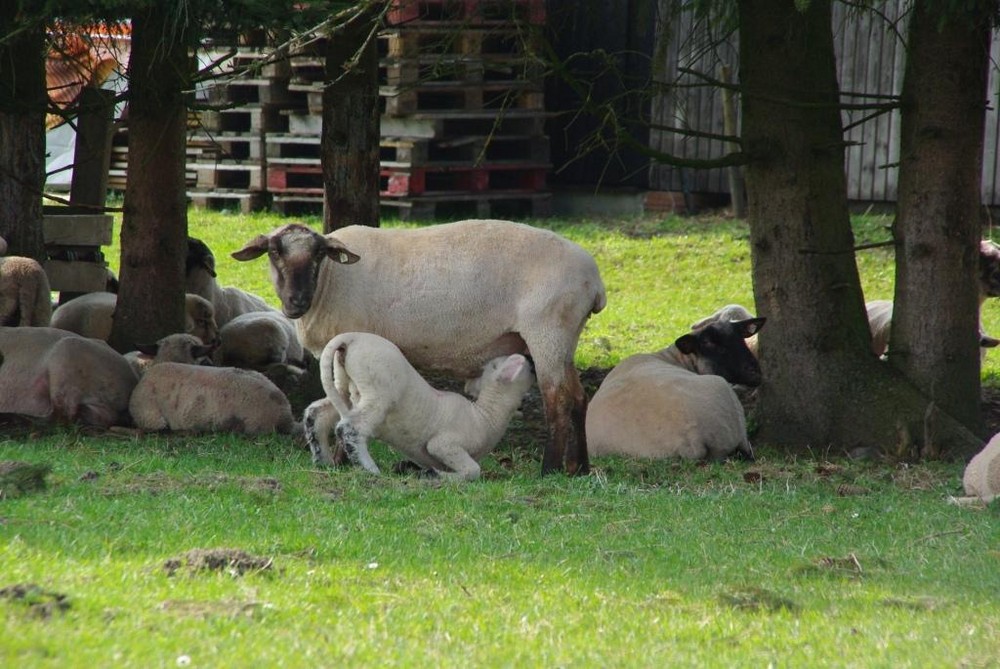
x,y
512,371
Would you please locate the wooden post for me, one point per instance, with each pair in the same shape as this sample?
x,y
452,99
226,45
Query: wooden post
x,y
737,190
92,155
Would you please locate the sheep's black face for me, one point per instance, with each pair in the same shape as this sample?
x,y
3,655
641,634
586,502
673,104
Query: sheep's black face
x,y
720,348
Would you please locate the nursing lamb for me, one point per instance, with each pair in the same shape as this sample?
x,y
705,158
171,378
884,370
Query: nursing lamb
x,y
376,394
60,376
451,297
678,402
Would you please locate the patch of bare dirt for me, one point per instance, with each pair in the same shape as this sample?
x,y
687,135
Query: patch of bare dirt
x,y
39,602
232,561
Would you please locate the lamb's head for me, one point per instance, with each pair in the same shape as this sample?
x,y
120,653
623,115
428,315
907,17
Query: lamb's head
x,y
720,348
182,348
200,319
989,269
513,373
296,253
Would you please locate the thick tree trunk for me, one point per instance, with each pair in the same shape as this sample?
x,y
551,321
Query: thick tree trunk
x,y
938,213
350,138
822,386
154,225
22,136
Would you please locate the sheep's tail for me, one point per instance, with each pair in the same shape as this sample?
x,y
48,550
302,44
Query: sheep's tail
x,y
333,376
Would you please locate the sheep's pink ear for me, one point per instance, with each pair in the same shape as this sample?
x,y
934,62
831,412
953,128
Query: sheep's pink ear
x,y
751,326
337,252
148,349
512,366
255,248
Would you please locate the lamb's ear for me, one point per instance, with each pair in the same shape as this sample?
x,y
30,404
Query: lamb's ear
x,y
750,327
687,344
148,349
987,341
511,367
255,248
337,252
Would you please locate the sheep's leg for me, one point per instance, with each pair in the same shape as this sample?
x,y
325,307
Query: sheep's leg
x,y
356,445
318,422
455,458
565,414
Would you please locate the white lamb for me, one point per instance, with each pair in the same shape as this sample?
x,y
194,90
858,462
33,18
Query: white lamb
x,y
257,340
60,376
982,474
452,297
376,394
193,398
183,348
91,315
25,296
678,402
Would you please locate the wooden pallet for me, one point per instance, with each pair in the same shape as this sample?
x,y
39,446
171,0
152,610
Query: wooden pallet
x,y
245,118
449,180
470,205
229,175
402,151
428,41
453,97
222,199
479,12
297,204
295,179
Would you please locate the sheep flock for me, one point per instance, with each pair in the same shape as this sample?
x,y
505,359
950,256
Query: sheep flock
x,y
370,312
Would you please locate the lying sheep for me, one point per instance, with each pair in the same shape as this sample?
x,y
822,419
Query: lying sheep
x,y
451,297
60,376
377,394
25,296
192,398
730,312
91,315
258,340
982,474
200,279
678,402
880,324
183,348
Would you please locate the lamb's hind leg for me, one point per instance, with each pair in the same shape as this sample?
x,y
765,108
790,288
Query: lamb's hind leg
x,y
318,422
450,454
356,444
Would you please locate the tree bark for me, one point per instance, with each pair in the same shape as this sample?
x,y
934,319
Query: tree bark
x,y
934,340
154,225
823,388
22,135
350,137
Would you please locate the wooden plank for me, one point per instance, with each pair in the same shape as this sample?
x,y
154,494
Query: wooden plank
x,y
77,230
76,276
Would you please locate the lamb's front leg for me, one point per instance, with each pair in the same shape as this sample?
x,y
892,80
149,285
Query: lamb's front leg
x,y
318,421
452,455
356,445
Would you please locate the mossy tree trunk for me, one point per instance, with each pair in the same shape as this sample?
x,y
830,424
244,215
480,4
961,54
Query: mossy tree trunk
x,y
939,212
22,134
823,387
154,225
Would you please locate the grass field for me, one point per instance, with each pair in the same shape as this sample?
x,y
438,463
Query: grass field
x,y
805,562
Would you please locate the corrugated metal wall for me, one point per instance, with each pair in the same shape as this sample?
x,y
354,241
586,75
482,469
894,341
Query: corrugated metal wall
x,y
870,52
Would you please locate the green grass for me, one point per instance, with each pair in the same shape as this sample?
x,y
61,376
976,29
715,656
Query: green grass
x,y
781,562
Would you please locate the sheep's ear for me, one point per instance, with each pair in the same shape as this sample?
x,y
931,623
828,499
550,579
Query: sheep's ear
x,y
687,344
255,248
148,349
208,262
986,341
511,367
750,327
336,252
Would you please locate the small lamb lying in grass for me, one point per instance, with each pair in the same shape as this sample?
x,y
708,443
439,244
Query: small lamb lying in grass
x,y
180,396
982,475
377,394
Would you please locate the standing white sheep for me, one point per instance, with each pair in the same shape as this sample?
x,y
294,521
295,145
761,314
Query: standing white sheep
x,y
376,394
451,297
678,402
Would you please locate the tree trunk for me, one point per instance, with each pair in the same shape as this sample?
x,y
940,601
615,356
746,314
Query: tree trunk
x,y
822,386
934,340
350,138
154,225
22,135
